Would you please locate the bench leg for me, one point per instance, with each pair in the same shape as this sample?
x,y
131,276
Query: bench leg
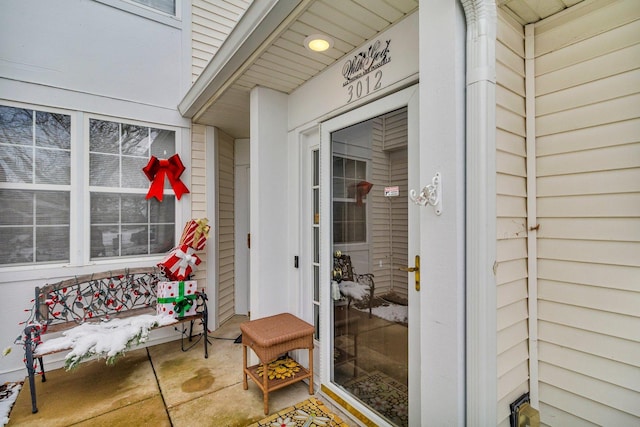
x,y
205,331
44,378
31,370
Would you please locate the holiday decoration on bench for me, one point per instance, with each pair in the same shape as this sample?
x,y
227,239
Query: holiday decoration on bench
x,y
179,263
157,169
103,315
195,233
177,299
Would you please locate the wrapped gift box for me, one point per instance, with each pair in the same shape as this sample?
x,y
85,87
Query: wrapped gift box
x,y
179,263
176,299
195,233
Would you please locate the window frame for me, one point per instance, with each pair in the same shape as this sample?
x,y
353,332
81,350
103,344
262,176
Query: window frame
x,y
79,189
167,190
148,12
349,200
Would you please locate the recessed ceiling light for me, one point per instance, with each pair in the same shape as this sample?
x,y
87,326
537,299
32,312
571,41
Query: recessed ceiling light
x,y
318,42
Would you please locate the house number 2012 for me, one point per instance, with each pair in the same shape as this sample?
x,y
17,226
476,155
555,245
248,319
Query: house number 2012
x,y
364,86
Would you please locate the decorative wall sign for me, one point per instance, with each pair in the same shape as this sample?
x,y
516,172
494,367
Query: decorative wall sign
x,y
393,191
356,70
157,169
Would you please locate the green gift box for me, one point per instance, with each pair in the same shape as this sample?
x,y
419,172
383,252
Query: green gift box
x,y
177,299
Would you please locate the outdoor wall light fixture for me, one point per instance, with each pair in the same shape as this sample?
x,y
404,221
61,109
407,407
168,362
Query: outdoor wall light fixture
x,y
430,195
318,42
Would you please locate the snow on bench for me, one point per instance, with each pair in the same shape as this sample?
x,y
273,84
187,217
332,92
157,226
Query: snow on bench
x,y
100,315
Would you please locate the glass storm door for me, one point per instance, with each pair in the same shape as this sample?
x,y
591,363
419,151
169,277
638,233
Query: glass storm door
x,y
371,312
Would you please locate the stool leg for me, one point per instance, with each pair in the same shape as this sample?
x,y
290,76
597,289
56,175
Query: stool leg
x,y
265,387
244,367
311,370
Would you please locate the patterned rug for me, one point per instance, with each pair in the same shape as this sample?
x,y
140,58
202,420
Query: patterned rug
x,y
310,413
384,395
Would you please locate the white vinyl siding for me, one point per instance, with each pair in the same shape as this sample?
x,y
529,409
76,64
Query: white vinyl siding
x,y
389,215
212,21
588,197
225,227
198,192
511,245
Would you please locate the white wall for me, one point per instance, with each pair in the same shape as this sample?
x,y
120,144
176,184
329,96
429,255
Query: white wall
x,y
326,95
442,246
269,214
88,56
90,48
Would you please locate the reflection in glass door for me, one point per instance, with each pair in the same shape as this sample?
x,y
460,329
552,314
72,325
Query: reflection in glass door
x,y
369,246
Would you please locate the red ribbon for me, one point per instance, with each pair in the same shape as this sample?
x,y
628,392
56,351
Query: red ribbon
x,y
157,169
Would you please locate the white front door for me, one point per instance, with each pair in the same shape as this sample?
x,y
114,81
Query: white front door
x,y
368,232
242,232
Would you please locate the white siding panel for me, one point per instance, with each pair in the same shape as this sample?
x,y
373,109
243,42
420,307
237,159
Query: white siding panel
x,y
590,342
589,274
602,322
588,206
588,251
572,404
512,164
588,71
588,21
616,180
389,215
211,23
511,336
510,185
509,142
608,370
512,292
512,379
511,245
594,297
626,401
225,228
197,192
604,89
594,47
608,135
509,228
619,229
619,109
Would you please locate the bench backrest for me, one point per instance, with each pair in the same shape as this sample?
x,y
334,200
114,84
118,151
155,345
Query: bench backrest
x,y
95,296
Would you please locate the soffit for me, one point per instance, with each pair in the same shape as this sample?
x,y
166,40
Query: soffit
x,y
281,62
530,11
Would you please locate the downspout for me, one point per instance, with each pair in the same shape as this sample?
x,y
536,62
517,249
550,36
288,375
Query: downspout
x,y
532,219
481,323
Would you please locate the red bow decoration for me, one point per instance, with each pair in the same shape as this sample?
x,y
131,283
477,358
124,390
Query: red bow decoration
x,y
157,169
362,189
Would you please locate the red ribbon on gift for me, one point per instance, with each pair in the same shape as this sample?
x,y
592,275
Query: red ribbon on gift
x,y
157,169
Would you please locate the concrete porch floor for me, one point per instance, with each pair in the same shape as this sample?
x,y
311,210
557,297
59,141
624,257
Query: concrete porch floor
x,y
157,386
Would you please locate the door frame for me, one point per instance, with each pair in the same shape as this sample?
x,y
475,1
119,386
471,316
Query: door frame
x,y
408,97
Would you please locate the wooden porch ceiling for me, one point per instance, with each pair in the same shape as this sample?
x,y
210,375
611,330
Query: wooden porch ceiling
x,y
273,55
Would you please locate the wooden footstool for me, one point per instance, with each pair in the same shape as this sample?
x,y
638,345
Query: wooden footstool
x,y
271,337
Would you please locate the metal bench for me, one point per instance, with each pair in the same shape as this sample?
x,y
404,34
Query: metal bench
x,y
343,270
95,298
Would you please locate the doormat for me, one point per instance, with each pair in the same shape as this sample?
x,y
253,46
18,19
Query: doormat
x,y
383,394
310,412
8,395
